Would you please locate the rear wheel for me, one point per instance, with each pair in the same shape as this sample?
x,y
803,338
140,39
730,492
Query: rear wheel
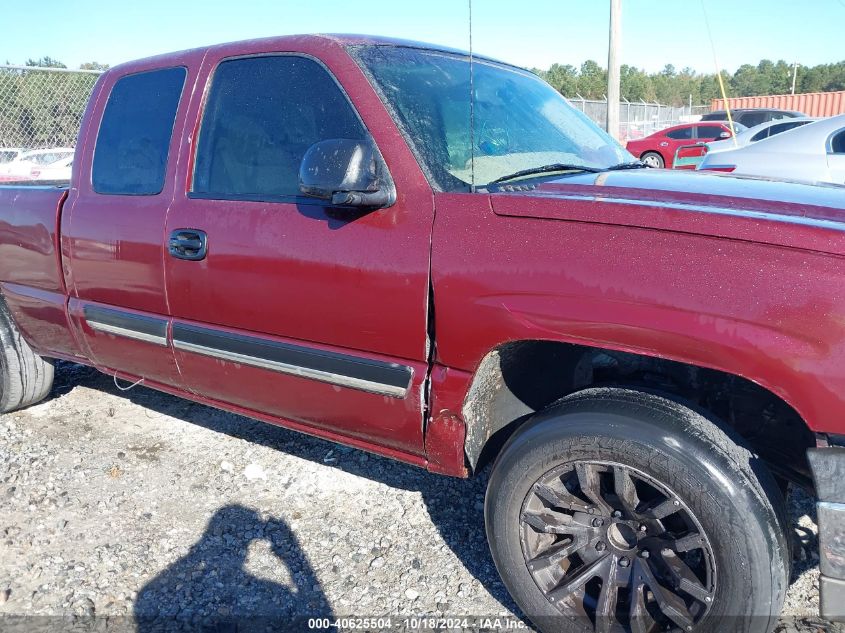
x,y
653,159
618,510
25,377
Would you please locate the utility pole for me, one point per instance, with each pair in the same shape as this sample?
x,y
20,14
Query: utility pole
x,y
613,68
794,75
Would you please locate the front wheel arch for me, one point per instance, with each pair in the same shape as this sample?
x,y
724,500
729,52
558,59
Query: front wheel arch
x,y
517,380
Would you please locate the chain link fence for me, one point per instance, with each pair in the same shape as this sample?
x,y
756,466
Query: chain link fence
x,y
42,108
640,118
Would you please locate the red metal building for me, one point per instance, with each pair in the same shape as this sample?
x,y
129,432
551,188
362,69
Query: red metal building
x,y
810,103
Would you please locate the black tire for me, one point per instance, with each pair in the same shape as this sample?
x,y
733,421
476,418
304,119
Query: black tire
x,y
25,377
673,455
653,159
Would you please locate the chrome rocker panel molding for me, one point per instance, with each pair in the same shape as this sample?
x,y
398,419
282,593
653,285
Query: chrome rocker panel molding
x,y
387,379
126,324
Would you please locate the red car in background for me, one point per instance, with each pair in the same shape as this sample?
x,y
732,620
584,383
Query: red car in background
x,y
658,150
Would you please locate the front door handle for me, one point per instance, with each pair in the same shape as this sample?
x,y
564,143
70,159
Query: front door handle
x,y
190,244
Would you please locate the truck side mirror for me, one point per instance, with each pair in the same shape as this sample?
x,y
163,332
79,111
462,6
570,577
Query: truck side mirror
x,y
347,172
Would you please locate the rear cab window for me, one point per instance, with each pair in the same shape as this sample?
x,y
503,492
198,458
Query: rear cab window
x,y
131,152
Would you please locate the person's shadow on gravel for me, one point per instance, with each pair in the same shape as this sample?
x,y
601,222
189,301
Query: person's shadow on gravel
x,y
455,506
210,589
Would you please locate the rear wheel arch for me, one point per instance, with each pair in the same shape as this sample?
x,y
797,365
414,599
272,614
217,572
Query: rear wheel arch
x,y
654,152
25,377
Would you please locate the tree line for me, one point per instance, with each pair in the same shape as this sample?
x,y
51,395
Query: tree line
x,y
673,87
49,62
40,109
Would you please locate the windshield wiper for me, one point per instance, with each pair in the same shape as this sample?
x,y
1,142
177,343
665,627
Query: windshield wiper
x,y
635,165
545,169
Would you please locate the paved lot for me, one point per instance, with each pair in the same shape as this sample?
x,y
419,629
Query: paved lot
x,y
141,504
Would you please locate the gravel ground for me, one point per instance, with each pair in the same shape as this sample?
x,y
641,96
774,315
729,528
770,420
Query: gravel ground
x,y
140,504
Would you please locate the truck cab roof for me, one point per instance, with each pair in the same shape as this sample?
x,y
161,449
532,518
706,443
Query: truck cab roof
x,y
294,42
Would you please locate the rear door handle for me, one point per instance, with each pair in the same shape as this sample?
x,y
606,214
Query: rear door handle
x,y
190,244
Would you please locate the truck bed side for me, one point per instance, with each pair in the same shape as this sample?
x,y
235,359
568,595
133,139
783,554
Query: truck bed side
x,y
31,278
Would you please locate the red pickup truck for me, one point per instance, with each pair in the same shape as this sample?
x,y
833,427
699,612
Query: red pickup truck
x,y
310,231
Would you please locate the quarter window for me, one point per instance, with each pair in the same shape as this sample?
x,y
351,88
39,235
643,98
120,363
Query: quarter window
x,y
761,135
130,156
261,116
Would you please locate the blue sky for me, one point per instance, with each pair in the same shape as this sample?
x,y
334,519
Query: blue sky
x,y
532,33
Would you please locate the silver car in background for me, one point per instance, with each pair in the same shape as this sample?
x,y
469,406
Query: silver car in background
x,y
758,133
814,152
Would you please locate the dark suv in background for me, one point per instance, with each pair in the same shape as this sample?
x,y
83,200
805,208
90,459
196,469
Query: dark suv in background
x,y
750,117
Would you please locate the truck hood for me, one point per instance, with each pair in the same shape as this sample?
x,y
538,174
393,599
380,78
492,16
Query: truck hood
x,y
779,212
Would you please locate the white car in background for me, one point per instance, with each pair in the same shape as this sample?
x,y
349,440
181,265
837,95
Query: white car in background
x,y
812,153
59,170
758,133
8,154
23,164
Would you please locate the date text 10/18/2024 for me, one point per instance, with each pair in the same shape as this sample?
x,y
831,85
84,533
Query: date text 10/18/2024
x,y
418,623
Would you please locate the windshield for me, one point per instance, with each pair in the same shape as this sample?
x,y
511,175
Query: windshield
x,y
520,121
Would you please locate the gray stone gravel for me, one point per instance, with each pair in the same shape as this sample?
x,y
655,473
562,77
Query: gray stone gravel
x,y
141,504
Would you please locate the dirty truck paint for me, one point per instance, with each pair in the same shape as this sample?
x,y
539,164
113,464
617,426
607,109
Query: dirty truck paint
x,y
734,274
